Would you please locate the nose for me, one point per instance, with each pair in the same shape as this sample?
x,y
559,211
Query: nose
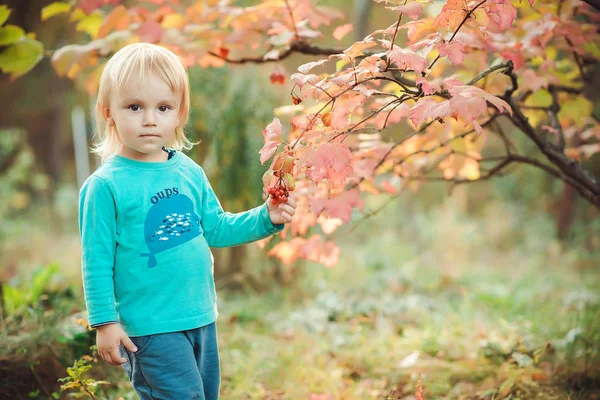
x,y
149,119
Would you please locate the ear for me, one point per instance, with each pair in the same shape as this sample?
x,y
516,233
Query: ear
x,y
107,116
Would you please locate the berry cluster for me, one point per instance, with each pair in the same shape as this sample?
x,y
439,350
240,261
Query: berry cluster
x,y
279,193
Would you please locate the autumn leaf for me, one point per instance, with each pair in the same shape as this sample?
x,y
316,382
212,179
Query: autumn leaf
x,y
331,161
428,108
408,60
4,14
411,10
327,118
466,92
150,31
452,14
428,88
357,48
56,8
338,207
21,56
453,50
117,20
342,31
10,34
305,68
272,136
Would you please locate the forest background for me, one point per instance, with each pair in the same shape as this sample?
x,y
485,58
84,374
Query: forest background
x,y
487,290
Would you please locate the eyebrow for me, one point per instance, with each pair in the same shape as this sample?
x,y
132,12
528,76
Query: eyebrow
x,y
135,100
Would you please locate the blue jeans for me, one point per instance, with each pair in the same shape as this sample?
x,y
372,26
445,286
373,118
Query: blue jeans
x,y
177,365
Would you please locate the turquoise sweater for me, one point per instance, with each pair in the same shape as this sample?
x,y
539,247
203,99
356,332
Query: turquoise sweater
x,y
146,229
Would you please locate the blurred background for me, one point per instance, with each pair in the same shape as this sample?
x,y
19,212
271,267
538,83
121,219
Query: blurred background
x,y
490,291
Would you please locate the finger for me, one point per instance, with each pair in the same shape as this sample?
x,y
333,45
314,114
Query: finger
x,y
292,201
106,356
286,216
288,209
129,345
116,356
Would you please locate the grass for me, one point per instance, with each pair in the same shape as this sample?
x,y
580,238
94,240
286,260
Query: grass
x,y
474,307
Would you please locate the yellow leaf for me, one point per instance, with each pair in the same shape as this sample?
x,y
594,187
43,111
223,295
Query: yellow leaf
x,y
90,24
10,34
593,49
575,111
541,98
341,63
173,21
4,14
56,8
480,17
21,57
470,169
117,20
77,15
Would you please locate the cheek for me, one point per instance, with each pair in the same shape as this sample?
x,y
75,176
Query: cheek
x,y
128,121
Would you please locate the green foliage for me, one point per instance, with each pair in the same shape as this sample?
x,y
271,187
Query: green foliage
x,y
229,118
22,51
30,291
78,379
20,179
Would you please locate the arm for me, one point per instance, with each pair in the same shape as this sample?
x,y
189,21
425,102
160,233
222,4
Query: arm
x,y
224,229
97,228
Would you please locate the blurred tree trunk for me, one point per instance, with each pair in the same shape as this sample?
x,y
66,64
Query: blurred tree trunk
x,y
567,202
361,18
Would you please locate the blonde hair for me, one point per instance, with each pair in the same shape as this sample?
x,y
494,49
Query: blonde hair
x,y
143,59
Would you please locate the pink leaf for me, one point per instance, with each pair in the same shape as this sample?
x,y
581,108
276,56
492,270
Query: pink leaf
x,y
407,59
452,14
342,31
90,5
342,109
150,31
451,82
428,108
327,253
468,108
308,66
340,206
411,10
479,129
272,136
357,48
331,161
475,92
501,12
453,50
428,87
515,54
531,81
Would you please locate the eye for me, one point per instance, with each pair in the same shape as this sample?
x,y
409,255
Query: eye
x,y
131,107
164,108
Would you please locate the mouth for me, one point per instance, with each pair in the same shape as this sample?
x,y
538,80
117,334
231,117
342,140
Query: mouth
x,y
149,135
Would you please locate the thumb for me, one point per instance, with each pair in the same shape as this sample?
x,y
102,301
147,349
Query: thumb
x,y
129,344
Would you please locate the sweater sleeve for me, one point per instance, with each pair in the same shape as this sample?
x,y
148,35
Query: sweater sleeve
x,y
98,231
224,229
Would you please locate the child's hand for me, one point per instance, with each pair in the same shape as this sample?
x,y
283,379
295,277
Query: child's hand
x,y
282,213
108,339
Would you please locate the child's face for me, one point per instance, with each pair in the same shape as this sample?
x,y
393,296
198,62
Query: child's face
x,y
145,116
